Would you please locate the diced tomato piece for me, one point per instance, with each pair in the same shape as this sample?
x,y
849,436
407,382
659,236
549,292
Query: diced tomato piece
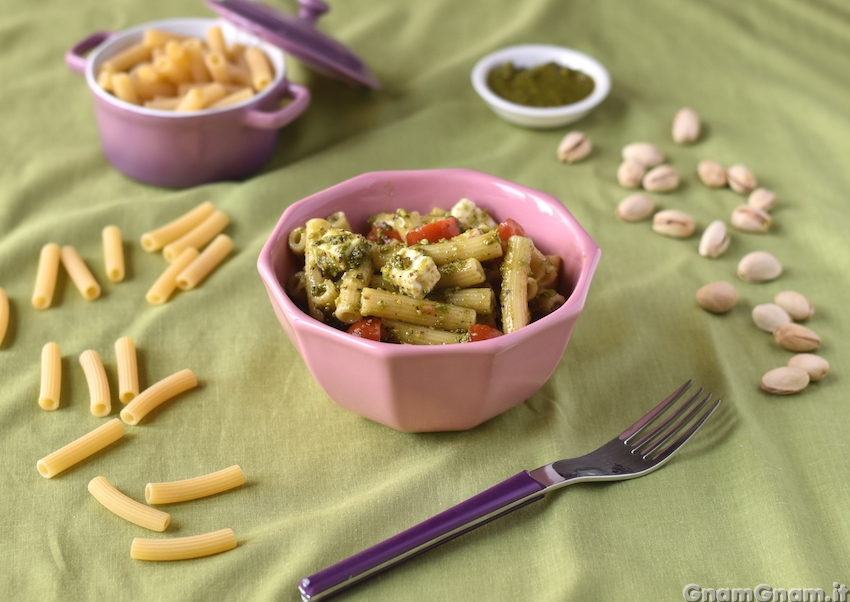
x,y
434,231
509,228
482,332
367,328
383,234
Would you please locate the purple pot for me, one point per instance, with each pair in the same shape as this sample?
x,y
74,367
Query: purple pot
x,y
179,150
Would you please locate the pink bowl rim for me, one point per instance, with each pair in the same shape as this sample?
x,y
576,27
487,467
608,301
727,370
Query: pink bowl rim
x,y
574,304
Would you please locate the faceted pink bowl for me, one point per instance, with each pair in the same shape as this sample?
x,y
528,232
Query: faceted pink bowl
x,y
433,388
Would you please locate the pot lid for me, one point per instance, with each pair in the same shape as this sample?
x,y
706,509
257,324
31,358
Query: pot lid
x,y
298,36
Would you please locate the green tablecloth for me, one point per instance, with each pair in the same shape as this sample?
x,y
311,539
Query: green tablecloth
x,y
760,497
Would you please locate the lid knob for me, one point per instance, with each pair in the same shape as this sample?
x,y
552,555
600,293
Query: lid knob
x,y
310,10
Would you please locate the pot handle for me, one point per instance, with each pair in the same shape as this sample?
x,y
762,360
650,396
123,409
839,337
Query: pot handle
x,y
75,58
274,120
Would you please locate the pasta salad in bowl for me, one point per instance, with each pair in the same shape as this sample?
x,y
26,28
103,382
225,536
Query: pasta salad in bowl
x,y
450,292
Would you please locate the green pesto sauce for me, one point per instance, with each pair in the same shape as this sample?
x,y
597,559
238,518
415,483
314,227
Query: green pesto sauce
x,y
549,85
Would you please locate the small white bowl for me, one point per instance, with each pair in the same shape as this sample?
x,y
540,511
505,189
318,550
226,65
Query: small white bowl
x,y
533,55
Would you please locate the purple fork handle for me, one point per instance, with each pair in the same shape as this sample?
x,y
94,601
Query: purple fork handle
x,y
497,501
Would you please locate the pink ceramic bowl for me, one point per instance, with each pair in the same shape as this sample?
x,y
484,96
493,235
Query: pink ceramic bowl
x,y
440,388
178,150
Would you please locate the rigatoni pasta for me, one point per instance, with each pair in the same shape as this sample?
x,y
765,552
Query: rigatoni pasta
x,y
4,314
80,274
156,239
167,282
126,507
436,278
113,253
45,279
198,236
183,548
51,377
194,488
80,449
157,394
128,369
205,263
100,401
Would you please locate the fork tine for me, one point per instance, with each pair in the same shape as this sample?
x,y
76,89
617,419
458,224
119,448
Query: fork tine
x,y
674,446
637,426
670,432
667,421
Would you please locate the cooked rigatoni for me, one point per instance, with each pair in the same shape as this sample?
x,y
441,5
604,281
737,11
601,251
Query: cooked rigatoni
x,y
155,395
167,282
194,488
80,274
482,247
156,239
113,253
51,377
182,548
80,449
515,271
45,279
128,369
205,263
422,312
100,401
127,508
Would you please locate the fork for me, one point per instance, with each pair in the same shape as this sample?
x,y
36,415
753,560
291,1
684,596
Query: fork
x,y
640,449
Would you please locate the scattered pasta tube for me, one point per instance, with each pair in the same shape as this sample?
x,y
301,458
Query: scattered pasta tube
x,y
128,369
4,314
199,236
205,263
155,395
80,449
167,282
45,279
100,402
51,376
113,253
258,67
194,488
183,548
156,239
80,274
126,507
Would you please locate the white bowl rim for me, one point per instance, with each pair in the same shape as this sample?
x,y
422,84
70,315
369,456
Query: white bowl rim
x,y
92,59
546,52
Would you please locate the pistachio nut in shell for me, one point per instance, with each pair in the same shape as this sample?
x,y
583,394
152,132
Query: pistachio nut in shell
x,y
815,365
635,207
712,174
714,241
740,179
768,316
797,306
662,178
686,126
717,297
762,198
795,337
674,223
644,153
759,266
575,146
785,380
751,219
630,174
